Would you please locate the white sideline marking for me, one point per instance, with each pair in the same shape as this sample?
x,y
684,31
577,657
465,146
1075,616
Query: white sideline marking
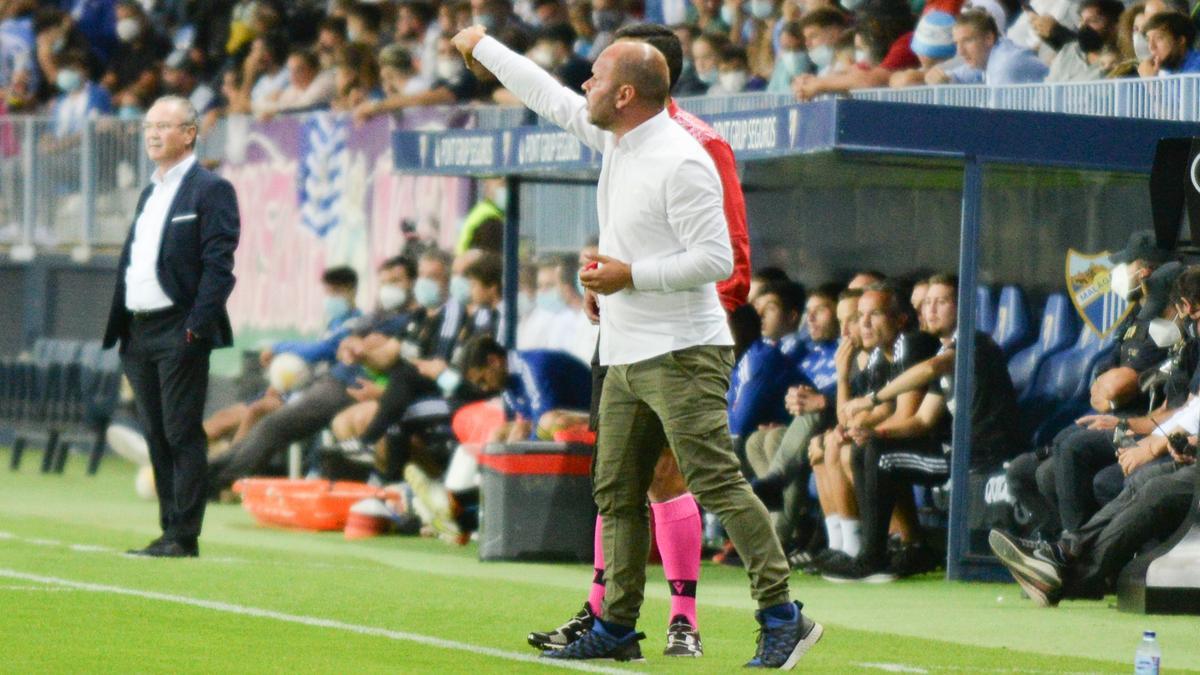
x,y
892,667
316,622
901,668
40,589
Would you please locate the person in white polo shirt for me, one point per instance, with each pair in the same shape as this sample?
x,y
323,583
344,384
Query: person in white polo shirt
x,y
663,334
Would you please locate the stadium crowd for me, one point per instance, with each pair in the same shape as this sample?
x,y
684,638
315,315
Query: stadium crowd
x,y
74,59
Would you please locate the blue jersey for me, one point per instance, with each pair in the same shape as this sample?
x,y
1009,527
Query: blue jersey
x,y
541,380
759,384
818,366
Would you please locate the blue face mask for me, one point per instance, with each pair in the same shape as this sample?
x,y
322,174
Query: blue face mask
x,y
821,56
550,301
579,286
336,306
427,293
129,112
460,289
794,61
68,80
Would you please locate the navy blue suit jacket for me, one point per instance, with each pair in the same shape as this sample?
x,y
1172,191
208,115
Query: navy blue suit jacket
x,y
195,259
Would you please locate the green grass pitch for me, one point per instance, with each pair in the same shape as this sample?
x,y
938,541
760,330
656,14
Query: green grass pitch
x,y
271,600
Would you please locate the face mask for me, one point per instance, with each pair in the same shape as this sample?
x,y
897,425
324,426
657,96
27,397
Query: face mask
x,y
427,293
606,20
68,80
861,56
761,9
550,301
852,5
542,56
709,77
734,82
794,61
485,20
1090,41
524,305
392,296
500,197
1141,46
727,15
59,45
448,68
460,289
128,29
579,287
1121,283
821,56
1165,333
336,306
129,112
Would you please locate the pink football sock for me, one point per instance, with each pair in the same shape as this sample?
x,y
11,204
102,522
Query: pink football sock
x,y
596,597
677,531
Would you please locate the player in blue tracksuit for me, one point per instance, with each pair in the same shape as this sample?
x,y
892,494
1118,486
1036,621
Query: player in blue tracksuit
x,y
761,378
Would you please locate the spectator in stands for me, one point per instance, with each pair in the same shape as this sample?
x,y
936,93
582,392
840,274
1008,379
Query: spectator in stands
x,y
791,61
1081,58
689,83
733,73
80,100
1170,36
231,101
549,12
19,76
552,323
497,16
363,24
308,86
608,16
357,75
988,58
552,50
417,31
933,43
182,78
706,56
264,71
331,37
135,72
56,33
1085,563
1132,47
821,29
878,54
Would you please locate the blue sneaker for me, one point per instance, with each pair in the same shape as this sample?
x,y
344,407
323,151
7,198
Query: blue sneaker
x,y
782,643
600,644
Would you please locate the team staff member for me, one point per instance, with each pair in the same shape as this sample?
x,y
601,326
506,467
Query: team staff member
x,y
168,312
663,335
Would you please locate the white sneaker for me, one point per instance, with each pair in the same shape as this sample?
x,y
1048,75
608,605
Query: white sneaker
x,y
128,443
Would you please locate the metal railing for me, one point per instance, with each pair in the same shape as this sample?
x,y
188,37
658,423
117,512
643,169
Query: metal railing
x,y
73,192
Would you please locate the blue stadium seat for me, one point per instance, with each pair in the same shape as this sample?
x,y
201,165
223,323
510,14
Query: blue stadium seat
x,y
1012,330
985,310
1058,393
1059,329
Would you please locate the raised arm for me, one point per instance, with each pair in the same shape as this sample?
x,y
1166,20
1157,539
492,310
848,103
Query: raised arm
x,y
536,88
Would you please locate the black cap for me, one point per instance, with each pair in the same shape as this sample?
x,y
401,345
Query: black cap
x,y
1142,246
1158,290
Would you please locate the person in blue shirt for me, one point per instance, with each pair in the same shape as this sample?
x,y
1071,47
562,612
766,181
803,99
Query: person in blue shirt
x,y
987,57
770,365
341,286
1170,36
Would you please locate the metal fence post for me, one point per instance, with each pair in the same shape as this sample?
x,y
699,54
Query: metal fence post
x,y
82,251
24,251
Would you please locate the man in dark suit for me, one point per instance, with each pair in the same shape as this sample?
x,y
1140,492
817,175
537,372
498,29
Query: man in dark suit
x,y
168,312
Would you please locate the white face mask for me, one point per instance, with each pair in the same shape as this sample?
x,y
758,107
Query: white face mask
x,y
733,82
793,61
861,56
761,9
821,56
1165,333
392,296
448,68
543,56
708,77
1141,46
1121,282
128,29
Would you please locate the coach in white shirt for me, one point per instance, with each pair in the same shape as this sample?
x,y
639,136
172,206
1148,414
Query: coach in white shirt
x,y
663,246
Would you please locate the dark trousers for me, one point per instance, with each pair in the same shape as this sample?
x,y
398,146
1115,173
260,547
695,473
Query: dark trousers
x,y
1031,483
1079,454
1154,502
882,470
301,417
405,385
169,377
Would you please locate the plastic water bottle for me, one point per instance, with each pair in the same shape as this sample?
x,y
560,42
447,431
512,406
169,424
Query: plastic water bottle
x,y
1148,656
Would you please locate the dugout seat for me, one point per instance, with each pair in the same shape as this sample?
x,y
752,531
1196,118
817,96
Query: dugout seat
x,y
1059,330
985,310
1013,330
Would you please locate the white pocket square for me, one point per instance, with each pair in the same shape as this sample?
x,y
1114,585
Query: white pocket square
x,y
184,217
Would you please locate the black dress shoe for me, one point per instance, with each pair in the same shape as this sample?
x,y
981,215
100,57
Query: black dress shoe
x,y
152,546
167,549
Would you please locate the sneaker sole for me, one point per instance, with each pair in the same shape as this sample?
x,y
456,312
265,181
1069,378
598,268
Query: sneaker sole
x,y
877,578
1039,572
806,643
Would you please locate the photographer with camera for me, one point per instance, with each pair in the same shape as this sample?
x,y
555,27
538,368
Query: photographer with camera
x,y
1085,563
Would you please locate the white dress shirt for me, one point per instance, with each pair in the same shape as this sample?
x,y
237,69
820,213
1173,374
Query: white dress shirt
x,y
143,293
659,202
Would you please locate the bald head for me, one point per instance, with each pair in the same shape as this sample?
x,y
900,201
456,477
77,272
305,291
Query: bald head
x,y
642,67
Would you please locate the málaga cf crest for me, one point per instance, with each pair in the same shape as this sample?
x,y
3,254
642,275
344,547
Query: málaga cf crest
x,y
1089,284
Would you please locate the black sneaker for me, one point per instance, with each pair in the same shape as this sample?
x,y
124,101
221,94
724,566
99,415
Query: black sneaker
x,y
565,634
913,559
844,569
782,643
683,639
599,644
1036,565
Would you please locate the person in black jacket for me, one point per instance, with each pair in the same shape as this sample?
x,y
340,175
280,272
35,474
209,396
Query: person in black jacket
x,y
168,313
